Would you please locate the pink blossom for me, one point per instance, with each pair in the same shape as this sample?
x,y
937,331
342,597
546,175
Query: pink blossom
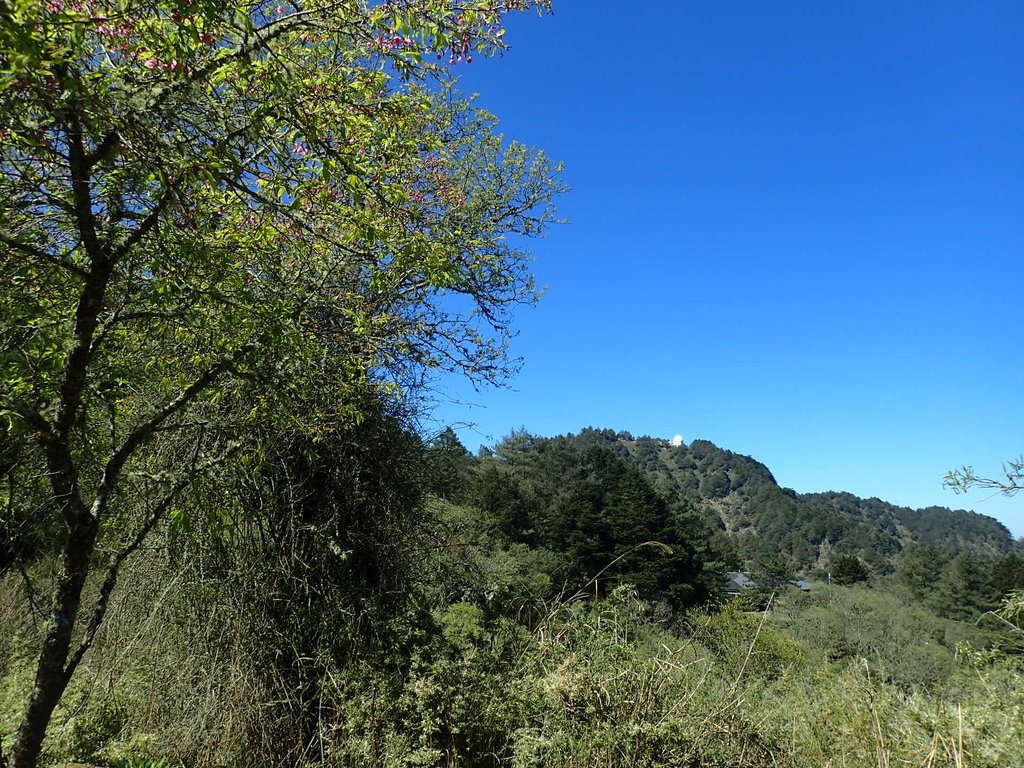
x,y
151,63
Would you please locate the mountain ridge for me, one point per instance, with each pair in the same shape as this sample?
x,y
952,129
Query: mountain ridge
x,y
741,496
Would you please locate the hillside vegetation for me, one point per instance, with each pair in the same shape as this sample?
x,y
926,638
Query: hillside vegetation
x,y
373,601
239,243
764,519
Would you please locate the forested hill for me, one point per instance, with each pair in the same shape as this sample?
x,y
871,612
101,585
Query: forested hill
x,y
764,520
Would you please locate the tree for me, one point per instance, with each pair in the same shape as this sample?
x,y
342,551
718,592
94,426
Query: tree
x,y
317,546
1008,574
449,466
772,572
920,568
1012,612
849,569
965,590
210,211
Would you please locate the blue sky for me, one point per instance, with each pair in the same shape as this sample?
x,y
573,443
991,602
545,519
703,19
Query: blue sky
x,y
794,230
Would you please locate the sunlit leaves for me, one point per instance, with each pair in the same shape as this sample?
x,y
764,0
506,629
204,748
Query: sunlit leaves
x,y
296,181
220,214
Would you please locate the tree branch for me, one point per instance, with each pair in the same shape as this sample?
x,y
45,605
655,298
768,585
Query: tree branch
x,y
42,255
117,560
963,479
147,224
146,429
90,302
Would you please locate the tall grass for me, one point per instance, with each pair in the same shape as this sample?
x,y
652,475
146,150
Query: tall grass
x,y
175,678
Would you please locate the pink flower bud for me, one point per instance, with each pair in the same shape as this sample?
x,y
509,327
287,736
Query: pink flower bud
x,y
151,63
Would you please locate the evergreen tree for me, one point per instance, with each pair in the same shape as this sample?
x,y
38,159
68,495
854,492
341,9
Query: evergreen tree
x,y
848,569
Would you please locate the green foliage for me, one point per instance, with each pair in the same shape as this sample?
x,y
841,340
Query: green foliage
x,y
744,644
139,762
602,514
234,238
1012,609
741,496
451,683
618,691
1007,621
920,569
1008,574
317,547
908,647
449,465
958,531
455,701
219,219
963,479
961,586
87,734
848,569
772,573
966,589
480,566
503,498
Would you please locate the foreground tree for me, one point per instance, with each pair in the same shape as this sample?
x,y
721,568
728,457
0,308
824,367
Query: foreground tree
x,y
209,211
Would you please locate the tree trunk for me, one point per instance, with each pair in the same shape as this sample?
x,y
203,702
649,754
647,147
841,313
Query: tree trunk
x,y
51,677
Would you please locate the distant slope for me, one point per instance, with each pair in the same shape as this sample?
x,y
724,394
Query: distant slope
x,y
956,530
740,495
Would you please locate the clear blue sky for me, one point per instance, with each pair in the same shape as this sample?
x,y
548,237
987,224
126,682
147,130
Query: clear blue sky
x,y
795,229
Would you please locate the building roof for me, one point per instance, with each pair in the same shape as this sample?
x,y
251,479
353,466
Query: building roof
x,y
737,581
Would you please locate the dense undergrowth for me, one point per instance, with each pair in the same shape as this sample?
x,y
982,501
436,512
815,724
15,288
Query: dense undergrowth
x,y
545,608
842,679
